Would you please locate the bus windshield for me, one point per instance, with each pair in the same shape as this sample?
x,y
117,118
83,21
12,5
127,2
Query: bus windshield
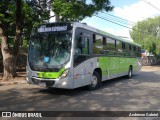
x,y
48,51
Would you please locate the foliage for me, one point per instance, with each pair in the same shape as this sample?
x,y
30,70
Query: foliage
x,y
147,33
76,10
17,17
31,16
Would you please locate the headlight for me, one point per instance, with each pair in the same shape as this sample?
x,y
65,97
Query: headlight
x,y
64,74
28,72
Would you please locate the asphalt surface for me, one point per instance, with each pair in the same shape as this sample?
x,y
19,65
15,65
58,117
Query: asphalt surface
x,y
141,93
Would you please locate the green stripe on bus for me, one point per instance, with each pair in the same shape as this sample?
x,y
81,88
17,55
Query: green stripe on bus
x,y
104,64
50,75
116,65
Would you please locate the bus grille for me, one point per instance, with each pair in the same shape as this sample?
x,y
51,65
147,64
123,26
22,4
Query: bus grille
x,y
49,83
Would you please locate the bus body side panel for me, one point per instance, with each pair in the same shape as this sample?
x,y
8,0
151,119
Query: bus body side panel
x,y
125,63
110,67
113,67
83,72
103,63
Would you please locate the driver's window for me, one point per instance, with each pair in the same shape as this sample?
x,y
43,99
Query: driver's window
x,y
78,47
85,49
81,50
82,47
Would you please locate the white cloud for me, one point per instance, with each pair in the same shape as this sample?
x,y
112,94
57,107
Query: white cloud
x,y
124,33
138,11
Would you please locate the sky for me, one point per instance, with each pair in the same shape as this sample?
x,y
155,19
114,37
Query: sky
x,y
130,10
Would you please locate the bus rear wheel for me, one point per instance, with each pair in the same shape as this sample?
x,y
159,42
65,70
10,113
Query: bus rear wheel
x,y
129,72
95,81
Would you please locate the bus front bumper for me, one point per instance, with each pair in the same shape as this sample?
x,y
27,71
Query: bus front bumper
x,y
55,83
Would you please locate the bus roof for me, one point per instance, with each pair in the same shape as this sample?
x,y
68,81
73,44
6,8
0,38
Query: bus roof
x,y
83,25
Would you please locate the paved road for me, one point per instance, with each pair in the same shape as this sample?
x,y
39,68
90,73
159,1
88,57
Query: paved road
x,y
141,93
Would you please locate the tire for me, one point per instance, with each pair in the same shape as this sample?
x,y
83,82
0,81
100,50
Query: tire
x,y
130,73
95,82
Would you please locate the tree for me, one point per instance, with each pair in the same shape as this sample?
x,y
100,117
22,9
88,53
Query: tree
x,y
76,10
16,17
147,33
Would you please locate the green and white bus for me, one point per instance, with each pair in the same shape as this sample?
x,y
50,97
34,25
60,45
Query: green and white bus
x,y
71,55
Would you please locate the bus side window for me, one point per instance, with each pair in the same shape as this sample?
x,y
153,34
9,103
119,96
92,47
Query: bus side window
x,y
127,50
123,46
130,51
111,46
130,47
139,52
97,44
135,50
119,48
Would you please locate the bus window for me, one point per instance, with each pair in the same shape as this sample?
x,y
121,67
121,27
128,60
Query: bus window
x,y
82,46
123,46
139,52
97,44
85,49
111,46
119,48
134,51
119,45
134,48
129,50
81,50
129,47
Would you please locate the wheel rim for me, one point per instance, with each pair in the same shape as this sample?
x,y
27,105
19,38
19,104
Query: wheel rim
x,y
130,73
94,81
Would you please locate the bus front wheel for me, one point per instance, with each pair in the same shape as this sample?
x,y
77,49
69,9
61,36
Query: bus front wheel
x,y
95,81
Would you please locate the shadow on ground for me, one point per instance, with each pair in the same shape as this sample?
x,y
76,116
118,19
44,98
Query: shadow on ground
x,y
139,93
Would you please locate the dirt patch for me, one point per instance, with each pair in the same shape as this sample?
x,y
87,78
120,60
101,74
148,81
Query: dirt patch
x,y
151,68
21,78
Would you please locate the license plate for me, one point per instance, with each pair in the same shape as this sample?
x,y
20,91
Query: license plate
x,y
43,84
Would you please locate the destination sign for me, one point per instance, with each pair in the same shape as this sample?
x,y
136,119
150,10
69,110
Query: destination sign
x,y
52,29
